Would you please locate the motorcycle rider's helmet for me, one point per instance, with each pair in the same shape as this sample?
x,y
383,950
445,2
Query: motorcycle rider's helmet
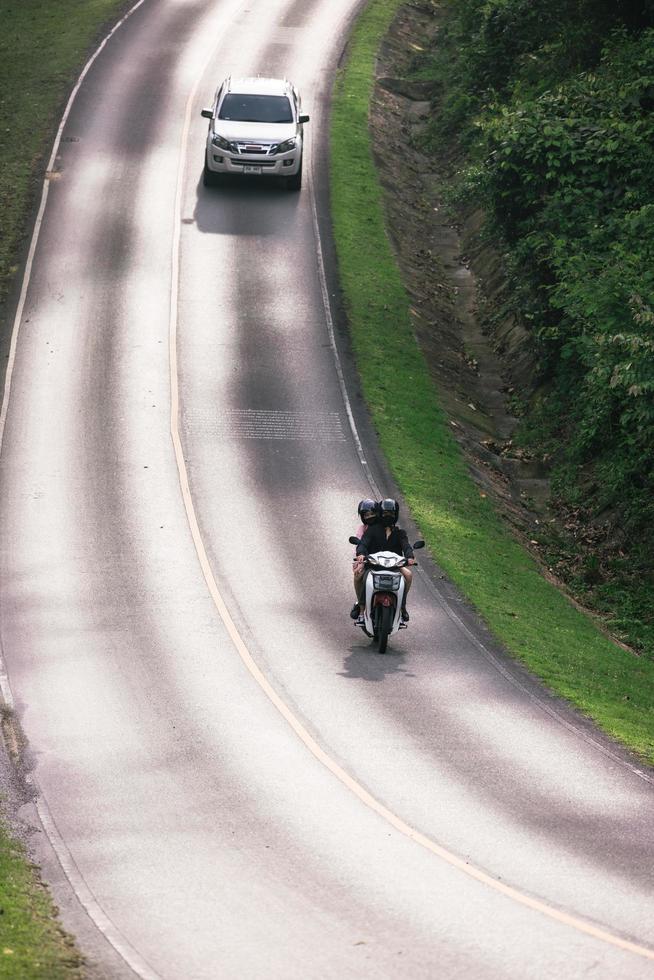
x,y
389,511
368,511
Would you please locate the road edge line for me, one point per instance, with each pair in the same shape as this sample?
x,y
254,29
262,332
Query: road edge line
x,y
508,891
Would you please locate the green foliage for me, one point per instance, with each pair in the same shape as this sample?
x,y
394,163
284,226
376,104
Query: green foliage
x,y
532,618
32,945
553,103
43,47
491,51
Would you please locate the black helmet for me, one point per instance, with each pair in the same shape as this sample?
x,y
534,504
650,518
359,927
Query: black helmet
x,y
370,508
389,511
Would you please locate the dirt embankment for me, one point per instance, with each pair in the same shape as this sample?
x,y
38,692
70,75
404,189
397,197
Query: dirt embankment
x,y
479,359
452,279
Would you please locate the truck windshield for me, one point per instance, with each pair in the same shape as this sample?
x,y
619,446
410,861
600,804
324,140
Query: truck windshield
x,y
256,108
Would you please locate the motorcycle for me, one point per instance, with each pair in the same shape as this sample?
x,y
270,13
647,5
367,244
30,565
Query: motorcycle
x,y
384,594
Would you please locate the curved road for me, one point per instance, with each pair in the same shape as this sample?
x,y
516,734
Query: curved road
x,y
233,783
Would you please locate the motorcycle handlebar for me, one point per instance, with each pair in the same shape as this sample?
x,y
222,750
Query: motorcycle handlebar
x,y
365,559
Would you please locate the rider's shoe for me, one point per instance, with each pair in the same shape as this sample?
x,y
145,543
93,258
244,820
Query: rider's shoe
x,y
404,614
355,611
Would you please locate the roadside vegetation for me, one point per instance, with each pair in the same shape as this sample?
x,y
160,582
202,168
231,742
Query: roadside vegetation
x,y
561,240
43,47
534,620
546,106
32,946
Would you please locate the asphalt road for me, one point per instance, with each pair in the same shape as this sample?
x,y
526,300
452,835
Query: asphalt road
x,y
229,781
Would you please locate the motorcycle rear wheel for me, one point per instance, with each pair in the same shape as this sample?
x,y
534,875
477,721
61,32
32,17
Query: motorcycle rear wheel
x,y
385,626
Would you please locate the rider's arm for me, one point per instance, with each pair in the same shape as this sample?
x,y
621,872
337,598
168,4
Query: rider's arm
x,y
363,546
407,550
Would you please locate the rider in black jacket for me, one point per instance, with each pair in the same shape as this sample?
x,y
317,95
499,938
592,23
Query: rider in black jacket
x,y
384,535
381,538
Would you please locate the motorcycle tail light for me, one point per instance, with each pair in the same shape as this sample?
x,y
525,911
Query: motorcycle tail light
x,y
385,581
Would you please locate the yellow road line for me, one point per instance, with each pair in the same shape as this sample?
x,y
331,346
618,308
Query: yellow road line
x,y
312,745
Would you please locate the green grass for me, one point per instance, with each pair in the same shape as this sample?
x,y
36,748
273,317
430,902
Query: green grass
x,y
535,622
43,47
32,946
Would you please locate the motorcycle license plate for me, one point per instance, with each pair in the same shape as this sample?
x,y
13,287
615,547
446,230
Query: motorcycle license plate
x,y
252,170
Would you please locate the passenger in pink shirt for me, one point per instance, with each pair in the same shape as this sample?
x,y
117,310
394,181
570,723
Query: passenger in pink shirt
x,y
369,513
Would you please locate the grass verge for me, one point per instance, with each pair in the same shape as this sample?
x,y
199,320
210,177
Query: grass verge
x,y
43,46
32,945
534,621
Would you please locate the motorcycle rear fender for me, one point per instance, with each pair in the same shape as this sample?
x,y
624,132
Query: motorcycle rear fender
x,y
373,599
370,594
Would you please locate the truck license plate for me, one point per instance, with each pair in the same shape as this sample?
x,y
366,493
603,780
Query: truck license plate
x,y
252,170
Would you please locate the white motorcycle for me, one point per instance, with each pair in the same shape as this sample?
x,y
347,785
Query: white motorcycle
x,y
384,594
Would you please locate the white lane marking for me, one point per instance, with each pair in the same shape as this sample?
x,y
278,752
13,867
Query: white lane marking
x,y
87,899
332,341
81,890
442,600
50,172
564,918
6,695
506,673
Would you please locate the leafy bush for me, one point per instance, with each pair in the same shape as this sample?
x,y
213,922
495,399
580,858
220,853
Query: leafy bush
x,y
551,104
491,50
567,184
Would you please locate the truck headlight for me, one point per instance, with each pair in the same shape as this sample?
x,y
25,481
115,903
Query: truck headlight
x,y
224,144
285,146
